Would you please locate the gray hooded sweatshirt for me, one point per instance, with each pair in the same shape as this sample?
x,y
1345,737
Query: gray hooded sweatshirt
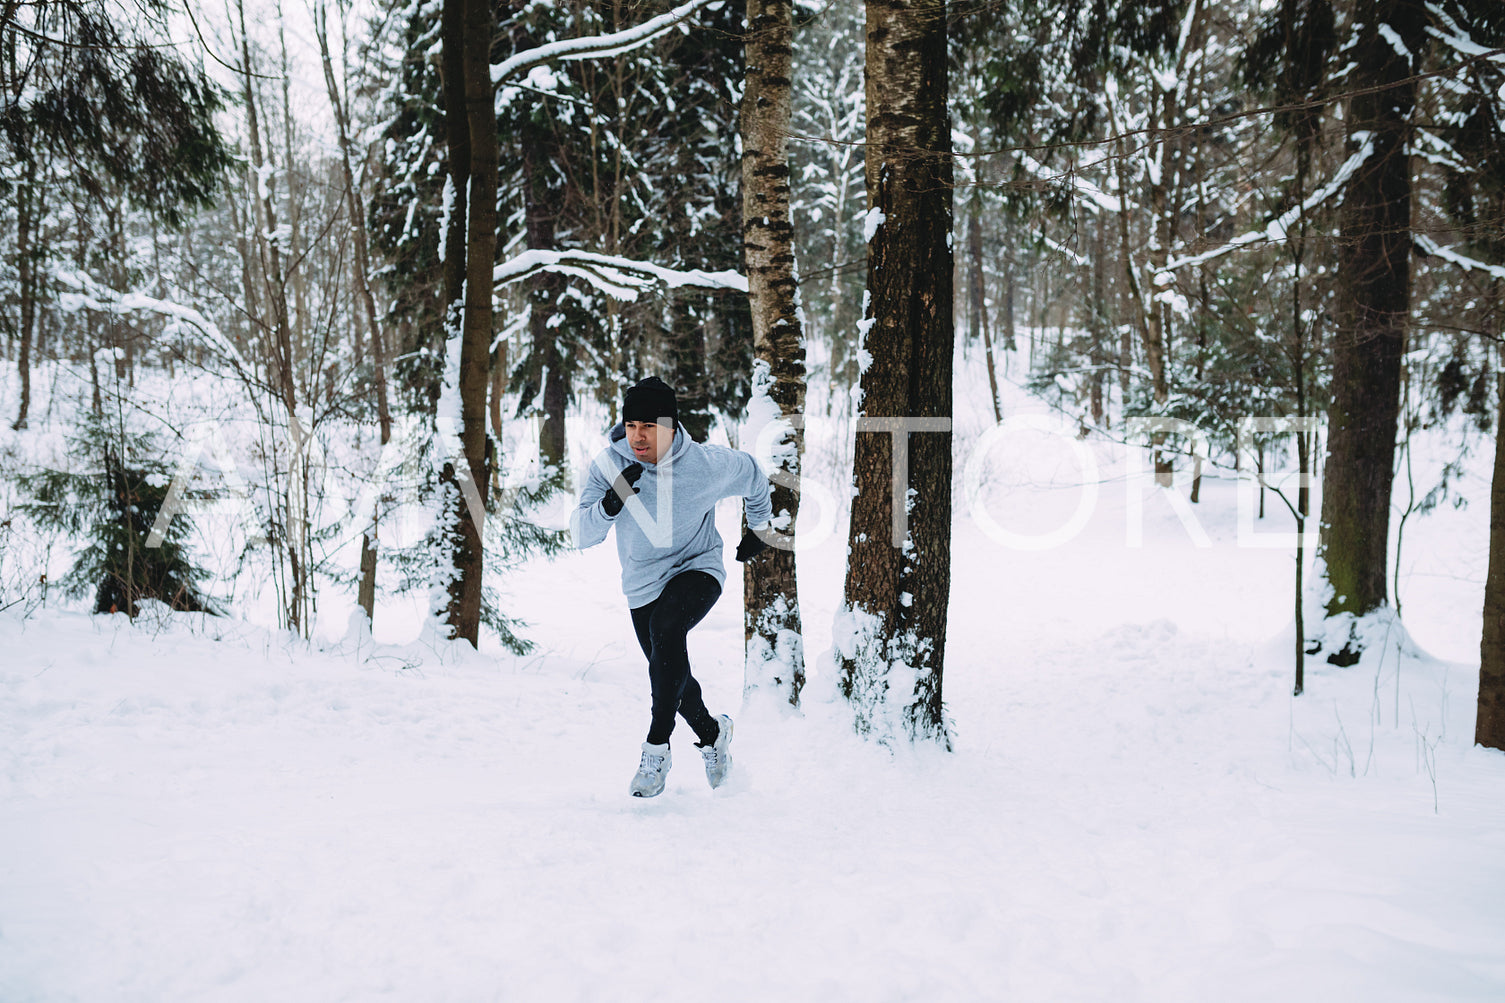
x,y
669,527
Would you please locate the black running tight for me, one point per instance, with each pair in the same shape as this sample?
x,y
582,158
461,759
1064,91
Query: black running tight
x,y
661,628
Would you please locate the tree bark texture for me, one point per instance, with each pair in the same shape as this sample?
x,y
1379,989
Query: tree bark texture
x,y
1489,725
891,632
469,100
775,659
1374,300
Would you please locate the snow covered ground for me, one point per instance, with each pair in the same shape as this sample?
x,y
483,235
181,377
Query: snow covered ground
x,y
1136,809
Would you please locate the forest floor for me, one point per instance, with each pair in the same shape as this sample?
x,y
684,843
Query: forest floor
x,y
1136,808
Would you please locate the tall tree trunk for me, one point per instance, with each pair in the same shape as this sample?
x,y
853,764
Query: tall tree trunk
x,y
1010,342
494,402
26,219
775,659
90,332
469,107
979,301
1098,326
891,631
1374,300
1489,725
553,444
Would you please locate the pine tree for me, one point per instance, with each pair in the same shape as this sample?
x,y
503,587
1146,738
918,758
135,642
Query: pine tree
x,y
409,211
112,503
88,106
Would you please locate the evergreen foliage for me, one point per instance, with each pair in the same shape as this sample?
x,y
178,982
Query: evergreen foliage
x,y
119,108
112,505
407,211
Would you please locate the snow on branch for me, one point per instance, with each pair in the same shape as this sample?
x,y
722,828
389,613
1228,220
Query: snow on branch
x,y
89,294
1064,251
1457,39
1429,246
619,278
594,46
1276,229
1072,180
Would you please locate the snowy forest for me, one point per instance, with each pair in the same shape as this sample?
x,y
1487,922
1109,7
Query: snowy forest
x,y
1128,376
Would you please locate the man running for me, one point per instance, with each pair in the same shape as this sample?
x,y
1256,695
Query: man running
x,y
671,557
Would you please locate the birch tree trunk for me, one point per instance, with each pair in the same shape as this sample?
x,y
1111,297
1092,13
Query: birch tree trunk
x,y
891,630
775,660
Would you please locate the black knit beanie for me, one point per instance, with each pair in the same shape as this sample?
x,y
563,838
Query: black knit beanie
x,y
650,400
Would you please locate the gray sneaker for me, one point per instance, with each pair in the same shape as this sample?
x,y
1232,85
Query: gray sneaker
x,y
653,770
718,756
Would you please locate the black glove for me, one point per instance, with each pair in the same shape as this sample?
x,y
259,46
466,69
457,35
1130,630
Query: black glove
x,y
751,546
611,502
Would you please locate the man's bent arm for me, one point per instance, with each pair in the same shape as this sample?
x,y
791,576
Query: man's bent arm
x,y
746,478
589,523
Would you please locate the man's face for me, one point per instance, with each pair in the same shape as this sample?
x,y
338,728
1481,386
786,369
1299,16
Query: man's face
x,y
649,440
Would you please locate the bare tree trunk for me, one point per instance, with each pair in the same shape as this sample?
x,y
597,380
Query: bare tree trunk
x,y
1152,314
268,246
1157,320
979,313
1144,312
775,659
269,240
1010,342
1374,302
498,388
1098,322
303,367
355,208
891,631
1489,725
469,101
27,203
